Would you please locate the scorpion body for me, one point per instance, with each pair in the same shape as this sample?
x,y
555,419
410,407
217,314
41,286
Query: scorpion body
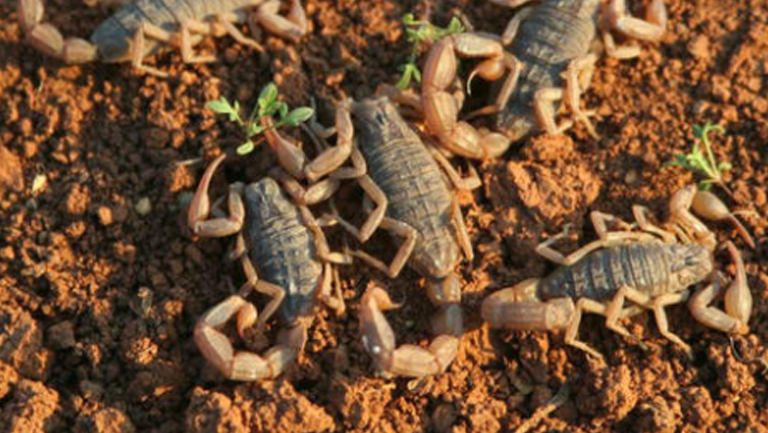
x,y
282,248
651,268
646,270
549,38
141,27
546,54
414,203
284,255
414,185
113,36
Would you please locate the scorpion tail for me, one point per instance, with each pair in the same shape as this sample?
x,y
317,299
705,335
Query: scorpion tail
x,y
48,39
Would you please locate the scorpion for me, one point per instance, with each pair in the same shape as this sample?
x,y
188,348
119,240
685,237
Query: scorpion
x,y
402,178
287,248
141,27
549,60
636,268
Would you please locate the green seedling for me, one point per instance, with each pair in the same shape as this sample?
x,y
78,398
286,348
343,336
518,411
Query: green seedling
x,y
704,162
267,105
419,33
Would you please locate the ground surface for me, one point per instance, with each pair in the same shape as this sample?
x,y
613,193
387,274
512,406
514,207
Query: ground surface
x,y
100,284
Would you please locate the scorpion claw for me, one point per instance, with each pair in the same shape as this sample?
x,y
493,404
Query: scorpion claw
x,y
406,360
712,208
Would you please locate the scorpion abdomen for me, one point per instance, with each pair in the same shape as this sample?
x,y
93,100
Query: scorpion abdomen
x,y
555,33
282,248
651,268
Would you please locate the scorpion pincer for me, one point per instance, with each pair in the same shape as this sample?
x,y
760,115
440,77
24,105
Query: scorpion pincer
x,y
549,61
141,27
626,272
403,178
286,246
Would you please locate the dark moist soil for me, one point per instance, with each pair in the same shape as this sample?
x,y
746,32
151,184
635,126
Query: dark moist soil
x,y
101,283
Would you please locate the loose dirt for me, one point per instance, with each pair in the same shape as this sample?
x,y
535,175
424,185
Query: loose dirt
x,y
99,293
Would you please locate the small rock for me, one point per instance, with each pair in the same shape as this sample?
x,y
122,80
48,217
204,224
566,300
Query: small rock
x,y
39,184
7,254
61,335
699,47
143,206
107,420
11,176
105,215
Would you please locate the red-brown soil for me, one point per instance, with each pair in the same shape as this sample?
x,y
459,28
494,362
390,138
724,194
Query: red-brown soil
x,y
98,297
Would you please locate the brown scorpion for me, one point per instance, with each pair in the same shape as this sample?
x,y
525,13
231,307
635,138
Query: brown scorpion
x,y
286,246
403,179
635,268
141,27
549,60
284,243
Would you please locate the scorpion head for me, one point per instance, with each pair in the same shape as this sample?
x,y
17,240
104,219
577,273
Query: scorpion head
x,y
435,258
267,197
691,264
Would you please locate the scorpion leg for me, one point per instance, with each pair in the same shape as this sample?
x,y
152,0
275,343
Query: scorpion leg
x,y
658,305
199,208
641,214
738,301
332,158
577,69
293,26
545,249
468,183
406,360
615,310
187,29
242,365
441,108
376,217
48,39
330,281
147,30
543,101
401,229
321,243
274,291
315,193
462,236
226,21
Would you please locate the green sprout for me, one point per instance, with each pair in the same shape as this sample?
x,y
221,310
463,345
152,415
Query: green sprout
x,y
703,161
418,33
267,105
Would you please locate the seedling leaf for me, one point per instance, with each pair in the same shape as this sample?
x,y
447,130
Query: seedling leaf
x,y
245,148
299,115
222,106
703,161
266,106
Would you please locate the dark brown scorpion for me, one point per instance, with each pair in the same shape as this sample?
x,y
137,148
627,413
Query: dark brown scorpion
x,y
412,200
141,27
626,272
284,255
548,61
